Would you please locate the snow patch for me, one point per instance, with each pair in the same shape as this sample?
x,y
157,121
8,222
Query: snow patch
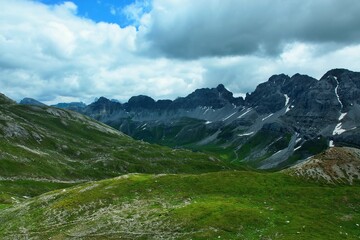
x,y
331,143
288,109
247,111
208,122
336,92
287,99
229,116
207,109
297,148
267,117
338,129
342,115
277,152
298,140
246,134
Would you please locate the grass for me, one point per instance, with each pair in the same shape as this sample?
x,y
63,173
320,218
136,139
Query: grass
x,y
226,205
50,145
19,190
194,197
61,145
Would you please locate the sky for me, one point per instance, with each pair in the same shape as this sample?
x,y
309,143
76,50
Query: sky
x,y
64,51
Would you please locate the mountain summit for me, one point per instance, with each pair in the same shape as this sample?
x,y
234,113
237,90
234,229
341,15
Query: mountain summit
x,y
286,119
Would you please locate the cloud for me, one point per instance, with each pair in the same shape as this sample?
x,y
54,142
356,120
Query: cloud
x,y
56,51
113,10
50,53
134,12
189,29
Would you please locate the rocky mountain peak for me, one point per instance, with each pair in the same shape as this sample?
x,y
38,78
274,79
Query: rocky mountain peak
x,y
31,101
221,88
102,100
140,102
279,79
207,97
101,108
337,72
228,96
268,97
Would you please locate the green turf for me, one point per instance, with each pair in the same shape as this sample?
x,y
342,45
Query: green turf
x,y
226,205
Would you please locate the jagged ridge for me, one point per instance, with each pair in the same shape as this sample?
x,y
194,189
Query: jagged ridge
x,y
286,119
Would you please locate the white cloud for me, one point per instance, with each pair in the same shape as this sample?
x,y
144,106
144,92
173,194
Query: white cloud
x,y
51,54
134,12
113,10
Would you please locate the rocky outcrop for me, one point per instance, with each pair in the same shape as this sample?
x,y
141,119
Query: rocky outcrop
x,y
336,165
268,97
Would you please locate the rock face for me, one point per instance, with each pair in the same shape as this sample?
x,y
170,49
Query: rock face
x,y
286,119
336,165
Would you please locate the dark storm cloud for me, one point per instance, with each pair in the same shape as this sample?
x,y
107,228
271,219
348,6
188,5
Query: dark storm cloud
x,y
194,29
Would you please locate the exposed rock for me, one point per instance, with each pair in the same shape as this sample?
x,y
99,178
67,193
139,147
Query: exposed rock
x,y
336,165
13,130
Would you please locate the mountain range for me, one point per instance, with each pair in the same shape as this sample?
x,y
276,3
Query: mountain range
x,y
285,120
64,175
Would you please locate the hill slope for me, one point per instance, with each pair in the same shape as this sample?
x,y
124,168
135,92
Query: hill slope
x,y
45,144
226,205
336,165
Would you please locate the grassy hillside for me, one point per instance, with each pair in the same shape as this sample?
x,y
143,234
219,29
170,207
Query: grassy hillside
x,y
222,205
335,165
47,146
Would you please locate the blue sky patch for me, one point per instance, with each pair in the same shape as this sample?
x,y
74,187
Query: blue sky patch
x,y
111,11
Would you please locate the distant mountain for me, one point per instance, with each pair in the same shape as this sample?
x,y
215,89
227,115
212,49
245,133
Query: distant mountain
x,y
286,119
46,144
74,106
31,101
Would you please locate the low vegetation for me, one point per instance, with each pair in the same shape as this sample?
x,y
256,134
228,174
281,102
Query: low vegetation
x,y
222,205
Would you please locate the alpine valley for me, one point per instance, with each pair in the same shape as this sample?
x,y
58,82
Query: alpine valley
x,y
285,120
283,163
